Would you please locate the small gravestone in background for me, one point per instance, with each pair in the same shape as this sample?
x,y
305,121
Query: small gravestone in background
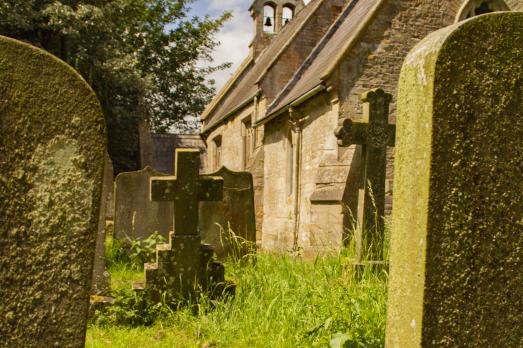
x,y
374,134
457,240
229,225
52,143
101,277
184,263
136,216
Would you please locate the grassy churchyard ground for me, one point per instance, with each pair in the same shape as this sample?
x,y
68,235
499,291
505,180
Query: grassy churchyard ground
x,y
279,302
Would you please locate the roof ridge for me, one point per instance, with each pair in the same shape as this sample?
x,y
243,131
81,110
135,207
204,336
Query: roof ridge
x,y
313,55
291,39
228,85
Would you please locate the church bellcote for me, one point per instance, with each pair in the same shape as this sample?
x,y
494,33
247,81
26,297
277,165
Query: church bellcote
x,y
270,17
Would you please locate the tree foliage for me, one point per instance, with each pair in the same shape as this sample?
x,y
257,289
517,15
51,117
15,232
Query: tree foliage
x,y
142,58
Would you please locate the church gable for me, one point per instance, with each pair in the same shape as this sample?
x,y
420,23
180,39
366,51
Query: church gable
x,y
277,63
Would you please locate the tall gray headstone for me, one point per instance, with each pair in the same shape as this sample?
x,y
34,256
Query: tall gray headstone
x,y
52,142
136,216
456,263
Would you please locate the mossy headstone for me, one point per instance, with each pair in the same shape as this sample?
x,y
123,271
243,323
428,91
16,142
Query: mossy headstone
x,y
52,142
229,225
457,240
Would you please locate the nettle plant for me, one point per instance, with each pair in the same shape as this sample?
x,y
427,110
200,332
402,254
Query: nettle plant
x,y
144,250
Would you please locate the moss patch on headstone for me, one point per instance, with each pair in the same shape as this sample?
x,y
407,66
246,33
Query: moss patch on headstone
x,y
457,239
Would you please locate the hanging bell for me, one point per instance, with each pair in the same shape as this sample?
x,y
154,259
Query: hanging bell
x,y
268,22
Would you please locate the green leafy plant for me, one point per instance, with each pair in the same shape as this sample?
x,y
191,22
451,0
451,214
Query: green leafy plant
x,y
144,250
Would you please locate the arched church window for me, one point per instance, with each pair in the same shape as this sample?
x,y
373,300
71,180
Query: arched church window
x,y
269,19
287,14
473,8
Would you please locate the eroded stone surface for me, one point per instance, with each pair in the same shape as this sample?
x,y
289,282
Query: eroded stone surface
x,y
53,144
457,240
136,216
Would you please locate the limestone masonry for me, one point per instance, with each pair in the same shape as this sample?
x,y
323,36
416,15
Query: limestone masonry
x,y
277,115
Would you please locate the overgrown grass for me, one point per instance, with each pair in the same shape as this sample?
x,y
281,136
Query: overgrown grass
x,y
279,302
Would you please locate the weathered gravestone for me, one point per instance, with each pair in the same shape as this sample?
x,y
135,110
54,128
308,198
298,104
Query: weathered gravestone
x,y
457,241
374,134
229,225
136,216
51,165
101,277
184,263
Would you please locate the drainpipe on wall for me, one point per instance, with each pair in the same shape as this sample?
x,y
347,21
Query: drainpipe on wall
x,y
297,135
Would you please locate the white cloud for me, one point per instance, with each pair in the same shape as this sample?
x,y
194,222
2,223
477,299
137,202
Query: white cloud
x,y
235,38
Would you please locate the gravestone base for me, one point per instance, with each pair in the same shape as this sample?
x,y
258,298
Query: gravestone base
x,y
184,267
98,302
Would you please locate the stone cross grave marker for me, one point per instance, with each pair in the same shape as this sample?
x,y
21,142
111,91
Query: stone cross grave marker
x,y
236,211
183,263
374,134
52,142
456,263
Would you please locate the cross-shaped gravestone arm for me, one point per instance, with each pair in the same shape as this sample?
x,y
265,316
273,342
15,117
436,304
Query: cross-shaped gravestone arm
x,y
186,189
375,129
163,189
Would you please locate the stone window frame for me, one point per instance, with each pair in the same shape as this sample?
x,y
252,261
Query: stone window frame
x,y
248,139
273,6
217,152
285,20
467,10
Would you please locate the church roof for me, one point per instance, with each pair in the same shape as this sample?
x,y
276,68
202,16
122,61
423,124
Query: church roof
x,y
338,40
241,90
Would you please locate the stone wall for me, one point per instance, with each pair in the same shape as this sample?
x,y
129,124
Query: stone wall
x,y
377,58
277,203
157,150
309,36
375,61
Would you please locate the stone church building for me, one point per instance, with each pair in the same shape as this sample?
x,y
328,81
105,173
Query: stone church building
x,y
306,71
